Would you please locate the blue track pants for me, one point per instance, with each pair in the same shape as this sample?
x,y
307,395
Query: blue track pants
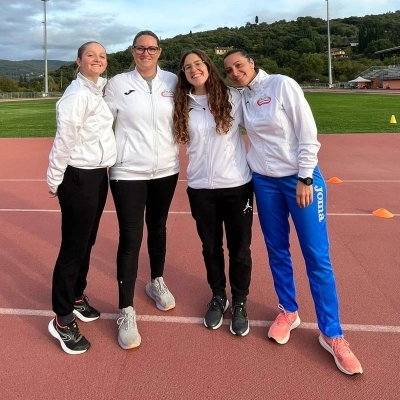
x,y
276,199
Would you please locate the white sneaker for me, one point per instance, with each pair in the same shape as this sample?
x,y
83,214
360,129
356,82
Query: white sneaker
x,y
158,291
128,334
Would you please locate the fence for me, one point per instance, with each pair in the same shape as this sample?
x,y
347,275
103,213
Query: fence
x,y
28,95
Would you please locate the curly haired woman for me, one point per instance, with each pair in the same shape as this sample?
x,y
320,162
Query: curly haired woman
x,y
207,117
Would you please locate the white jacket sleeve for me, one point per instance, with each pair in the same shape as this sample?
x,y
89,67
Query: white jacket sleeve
x,y
70,115
299,112
110,98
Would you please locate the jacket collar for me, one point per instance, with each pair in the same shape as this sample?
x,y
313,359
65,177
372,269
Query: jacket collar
x,y
193,100
136,74
94,87
258,81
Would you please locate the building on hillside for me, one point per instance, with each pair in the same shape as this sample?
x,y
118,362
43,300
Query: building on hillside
x,y
337,53
222,50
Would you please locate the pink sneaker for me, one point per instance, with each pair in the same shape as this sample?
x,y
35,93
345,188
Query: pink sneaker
x,y
283,324
345,360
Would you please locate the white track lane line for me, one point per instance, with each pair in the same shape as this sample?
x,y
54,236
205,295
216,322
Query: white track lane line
x,y
195,320
184,180
33,210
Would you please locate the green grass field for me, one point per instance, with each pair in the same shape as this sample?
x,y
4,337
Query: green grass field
x,y
31,118
355,113
334,113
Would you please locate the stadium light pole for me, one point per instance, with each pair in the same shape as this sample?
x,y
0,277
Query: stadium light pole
x,y
46,78
329,47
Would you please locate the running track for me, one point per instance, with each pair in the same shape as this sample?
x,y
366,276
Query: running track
x,y
179,358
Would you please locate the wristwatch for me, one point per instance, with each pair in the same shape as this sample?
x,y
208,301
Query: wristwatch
x,y
306,181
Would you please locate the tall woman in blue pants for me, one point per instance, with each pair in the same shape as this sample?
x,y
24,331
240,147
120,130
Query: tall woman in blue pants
x,y
287,181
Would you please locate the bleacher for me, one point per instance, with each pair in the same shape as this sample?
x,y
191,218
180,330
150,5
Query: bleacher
x,y
383,72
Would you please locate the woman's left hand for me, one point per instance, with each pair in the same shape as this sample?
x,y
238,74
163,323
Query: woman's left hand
x,y
304,194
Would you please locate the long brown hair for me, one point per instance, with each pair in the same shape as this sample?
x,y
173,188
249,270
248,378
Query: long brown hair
x,y
218,100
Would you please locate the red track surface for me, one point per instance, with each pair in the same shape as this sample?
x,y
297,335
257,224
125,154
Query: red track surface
x,y
179,358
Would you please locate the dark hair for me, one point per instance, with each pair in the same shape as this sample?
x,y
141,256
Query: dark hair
x,y
240,51
81,51
147,33
218,99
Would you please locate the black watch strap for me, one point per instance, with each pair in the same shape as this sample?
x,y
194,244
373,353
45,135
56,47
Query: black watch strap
x,y
306,181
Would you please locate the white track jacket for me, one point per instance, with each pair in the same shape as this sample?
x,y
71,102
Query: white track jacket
x,y
144,126
215,160
280,126
84,137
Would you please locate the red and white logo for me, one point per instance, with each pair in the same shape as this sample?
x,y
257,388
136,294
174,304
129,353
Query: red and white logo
x,y
264,100
167,93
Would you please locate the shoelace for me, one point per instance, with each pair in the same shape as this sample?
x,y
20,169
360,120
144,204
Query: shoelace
x,y
284,317
73,330
161,287
126,320
239,310
215,304
341,346
85,300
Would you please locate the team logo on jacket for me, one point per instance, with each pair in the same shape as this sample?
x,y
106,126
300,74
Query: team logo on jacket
x,y
167,93
263,100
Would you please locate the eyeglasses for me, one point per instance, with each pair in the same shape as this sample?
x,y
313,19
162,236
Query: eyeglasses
x,y
196,64
151,50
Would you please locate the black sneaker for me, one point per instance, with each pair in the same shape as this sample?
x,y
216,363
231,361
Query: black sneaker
x,y
240,323
72,342
84,311
215,313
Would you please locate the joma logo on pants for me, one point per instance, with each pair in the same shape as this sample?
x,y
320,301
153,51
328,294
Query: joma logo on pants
x,y
320,202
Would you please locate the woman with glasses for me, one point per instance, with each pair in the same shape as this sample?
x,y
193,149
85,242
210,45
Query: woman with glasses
x,y
207,117
287,181
144,176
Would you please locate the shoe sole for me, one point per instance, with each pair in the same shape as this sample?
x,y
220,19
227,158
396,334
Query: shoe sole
x,y
55,334
221,320
240,334
329,350
132,346
295,324
149,293
83,318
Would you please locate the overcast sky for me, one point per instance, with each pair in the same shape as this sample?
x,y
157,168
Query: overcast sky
x,y
115,22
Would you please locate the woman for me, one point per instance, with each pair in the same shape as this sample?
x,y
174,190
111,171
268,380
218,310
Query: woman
x,y
83,148
283,157
144,176
207,116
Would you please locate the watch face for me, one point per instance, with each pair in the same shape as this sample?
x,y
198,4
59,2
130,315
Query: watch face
x,y
306,181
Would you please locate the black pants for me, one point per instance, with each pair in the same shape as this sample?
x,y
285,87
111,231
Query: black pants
x,y
131,199
82,196
233,208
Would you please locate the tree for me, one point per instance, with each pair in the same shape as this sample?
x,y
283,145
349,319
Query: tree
x,y
8,85
305,46
314,63
256,19
376,45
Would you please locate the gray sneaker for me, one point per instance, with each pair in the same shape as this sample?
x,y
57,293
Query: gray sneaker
x,y
128,334
158,291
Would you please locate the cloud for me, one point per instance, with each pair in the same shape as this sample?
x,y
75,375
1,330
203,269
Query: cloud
x,y
114,23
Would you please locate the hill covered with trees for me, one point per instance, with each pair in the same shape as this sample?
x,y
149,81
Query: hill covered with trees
x,y
295,48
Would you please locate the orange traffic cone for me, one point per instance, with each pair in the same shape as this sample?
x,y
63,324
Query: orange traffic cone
x,y
393,120
334,179
383,213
